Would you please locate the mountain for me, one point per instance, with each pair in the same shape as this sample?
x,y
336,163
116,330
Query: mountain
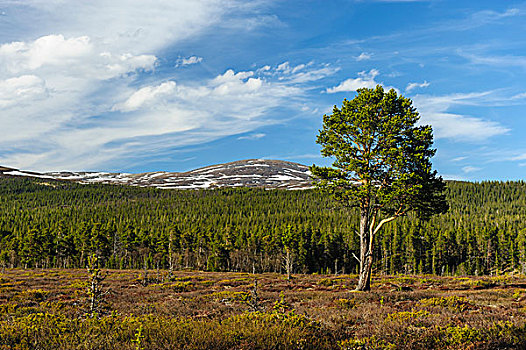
x,y
244,173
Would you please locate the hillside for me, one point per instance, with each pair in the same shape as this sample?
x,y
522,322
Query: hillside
x,y
244,173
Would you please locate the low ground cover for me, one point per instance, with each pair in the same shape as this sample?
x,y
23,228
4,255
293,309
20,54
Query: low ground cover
x,y
43,309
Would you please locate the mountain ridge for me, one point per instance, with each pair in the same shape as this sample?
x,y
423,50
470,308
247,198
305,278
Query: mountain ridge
x,y
265,173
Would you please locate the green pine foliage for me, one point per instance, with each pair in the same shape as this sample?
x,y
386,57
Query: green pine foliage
x,y
61,224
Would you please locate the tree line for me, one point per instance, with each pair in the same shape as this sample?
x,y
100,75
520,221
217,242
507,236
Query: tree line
x,y
60,224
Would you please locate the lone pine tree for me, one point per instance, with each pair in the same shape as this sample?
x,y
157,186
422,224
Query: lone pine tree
x,y
381,165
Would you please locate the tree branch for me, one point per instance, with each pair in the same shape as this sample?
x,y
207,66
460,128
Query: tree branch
x,y
397,214
381,223
358,233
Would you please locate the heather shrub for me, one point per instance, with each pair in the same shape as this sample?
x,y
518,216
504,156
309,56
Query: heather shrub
x,y
453,303
248,331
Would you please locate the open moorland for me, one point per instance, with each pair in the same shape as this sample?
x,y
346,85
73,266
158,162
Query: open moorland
x,y
49,309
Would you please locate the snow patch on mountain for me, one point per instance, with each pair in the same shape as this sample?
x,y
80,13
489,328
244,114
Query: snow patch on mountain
x,y
245,173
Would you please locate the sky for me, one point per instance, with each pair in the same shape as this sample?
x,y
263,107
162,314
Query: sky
x,y
173,85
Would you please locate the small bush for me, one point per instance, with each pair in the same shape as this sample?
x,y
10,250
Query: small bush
x,y
453,303
479,284
36,295
177,286
231,296
327,282
405,316
366,343
346,303
462,335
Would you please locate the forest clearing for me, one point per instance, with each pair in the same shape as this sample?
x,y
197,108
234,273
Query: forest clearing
x,y
139,309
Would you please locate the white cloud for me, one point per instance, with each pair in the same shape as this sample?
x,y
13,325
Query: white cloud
x,y
46,50
252,136
21,89
167,115
402,0
453,177
132,26
498,61
519,96
231,83
518,157
97,98
145,95
364,56
186,61
486,16
364,80
434,110
313,74
231,76
303,73
115,65
412,86
254,22
284,67
61,77
78,66
470,169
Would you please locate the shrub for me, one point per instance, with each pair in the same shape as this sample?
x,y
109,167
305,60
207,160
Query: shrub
x,y
346,303
36,295
405,316
453,303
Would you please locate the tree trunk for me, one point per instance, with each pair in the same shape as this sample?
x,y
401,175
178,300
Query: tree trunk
x,y
288,264
366,256
170,258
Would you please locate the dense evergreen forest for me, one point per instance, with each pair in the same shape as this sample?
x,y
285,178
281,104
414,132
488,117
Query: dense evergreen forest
x,y
59,224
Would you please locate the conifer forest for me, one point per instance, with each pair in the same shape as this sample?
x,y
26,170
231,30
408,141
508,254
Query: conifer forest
x,y
52,224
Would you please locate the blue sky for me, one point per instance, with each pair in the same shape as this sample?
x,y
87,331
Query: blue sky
x,y
173,85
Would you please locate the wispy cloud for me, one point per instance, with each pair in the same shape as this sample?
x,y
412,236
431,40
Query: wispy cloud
x,y
503,154
499,61
480,19
399,0
521,156
186,61
486,16
252,136
145,95
301,73
412,86
22,90
435,110
80,73
453,177
470,169
519,96
364,56
159,116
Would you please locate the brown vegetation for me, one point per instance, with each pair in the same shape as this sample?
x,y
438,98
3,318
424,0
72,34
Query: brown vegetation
x,y
44,309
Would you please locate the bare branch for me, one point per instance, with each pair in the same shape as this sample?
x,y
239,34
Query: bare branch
x,y
356,258
384,221
358,233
